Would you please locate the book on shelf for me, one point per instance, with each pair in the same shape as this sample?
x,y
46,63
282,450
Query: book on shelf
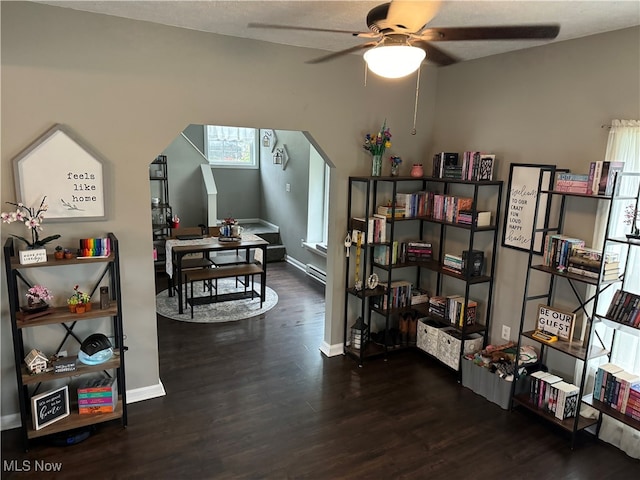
x,y
603,376
566,403
625,380
388,211
557,250
472,262
442,160
419,296
608,175
625,308
545,390
572,183
602,175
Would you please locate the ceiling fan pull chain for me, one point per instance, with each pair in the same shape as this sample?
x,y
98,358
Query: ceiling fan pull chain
x,y
365,73
415,108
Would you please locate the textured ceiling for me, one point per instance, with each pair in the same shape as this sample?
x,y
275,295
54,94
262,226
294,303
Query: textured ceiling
x,y
576,19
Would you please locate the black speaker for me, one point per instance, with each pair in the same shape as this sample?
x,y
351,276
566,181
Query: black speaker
x,y
104,298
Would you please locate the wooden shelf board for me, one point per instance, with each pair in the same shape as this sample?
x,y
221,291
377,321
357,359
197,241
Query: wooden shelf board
x,y
75,420
63,315
567,424
81,369
52,262
567,275
611,412
623,327
574,349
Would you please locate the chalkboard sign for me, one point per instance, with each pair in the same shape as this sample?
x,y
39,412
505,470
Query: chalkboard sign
x,y
49,407
520,209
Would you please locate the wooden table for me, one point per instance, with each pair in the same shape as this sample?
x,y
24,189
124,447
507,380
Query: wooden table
x,y
177,249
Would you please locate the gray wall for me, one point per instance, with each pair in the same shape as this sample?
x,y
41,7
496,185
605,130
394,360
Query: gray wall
x,y
543,105
128,89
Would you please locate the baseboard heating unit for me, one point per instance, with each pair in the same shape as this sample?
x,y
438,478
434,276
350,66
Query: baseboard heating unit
x,y
316,273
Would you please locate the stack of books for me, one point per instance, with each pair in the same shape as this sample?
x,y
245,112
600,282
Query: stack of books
x,y
589,261
438,306
625,309
478,219
397,211
618,389
418,250
573,183
98,396
452,263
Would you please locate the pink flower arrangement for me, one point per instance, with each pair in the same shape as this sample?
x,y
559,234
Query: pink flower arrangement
x,y
38,293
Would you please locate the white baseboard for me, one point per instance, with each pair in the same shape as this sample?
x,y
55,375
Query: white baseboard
x,y
332,350
146,393
7,422
292,261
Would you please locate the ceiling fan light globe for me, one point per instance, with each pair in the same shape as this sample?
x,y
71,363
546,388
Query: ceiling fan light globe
x,y
394,61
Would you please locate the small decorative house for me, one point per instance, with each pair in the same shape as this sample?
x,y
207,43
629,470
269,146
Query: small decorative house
x,y
36,361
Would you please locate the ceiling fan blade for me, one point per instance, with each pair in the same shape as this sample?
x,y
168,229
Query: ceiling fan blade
x,y
310,29
434,54
410,15
523,32
333,55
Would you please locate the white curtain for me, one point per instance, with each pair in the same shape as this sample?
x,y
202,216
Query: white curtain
x,y
623,145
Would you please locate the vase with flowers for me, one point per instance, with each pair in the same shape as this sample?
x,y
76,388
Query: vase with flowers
x,y
395,165
37,297
32,218
632,217
376,144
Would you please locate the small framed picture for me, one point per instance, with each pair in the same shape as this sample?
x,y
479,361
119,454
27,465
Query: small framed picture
x,y
49,407
556,322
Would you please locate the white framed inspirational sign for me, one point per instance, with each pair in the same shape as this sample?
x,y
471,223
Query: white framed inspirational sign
x,y
61,167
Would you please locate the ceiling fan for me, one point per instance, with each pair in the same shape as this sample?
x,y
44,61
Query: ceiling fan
x,y
400,38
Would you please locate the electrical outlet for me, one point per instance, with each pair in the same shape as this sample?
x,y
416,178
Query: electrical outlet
x,y
287,187
506,332
302,242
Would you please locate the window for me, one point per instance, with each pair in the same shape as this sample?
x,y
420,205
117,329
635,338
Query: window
x,y
318,206
231,147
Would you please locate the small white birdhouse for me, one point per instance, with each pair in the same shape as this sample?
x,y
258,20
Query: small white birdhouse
x,y
36,361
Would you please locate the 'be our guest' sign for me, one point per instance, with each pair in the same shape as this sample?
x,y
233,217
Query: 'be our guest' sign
x,y
67,172
556,322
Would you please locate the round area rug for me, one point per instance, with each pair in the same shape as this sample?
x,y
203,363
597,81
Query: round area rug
x,y
230,311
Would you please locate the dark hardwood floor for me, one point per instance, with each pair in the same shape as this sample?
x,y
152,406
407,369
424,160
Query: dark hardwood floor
x,y
255,399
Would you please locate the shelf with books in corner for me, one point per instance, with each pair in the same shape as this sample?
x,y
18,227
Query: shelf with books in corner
x,y
427,207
